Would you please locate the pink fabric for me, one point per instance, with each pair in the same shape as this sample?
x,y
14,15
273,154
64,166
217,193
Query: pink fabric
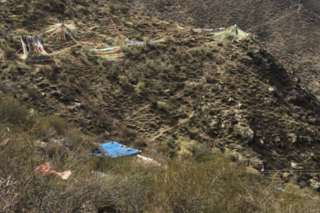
x,y
46,171
4,142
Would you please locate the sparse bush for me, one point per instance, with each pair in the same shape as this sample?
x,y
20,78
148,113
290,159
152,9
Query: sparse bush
x,y
141,87
146,39
170,68
80,8
183,68
152,98
161,75
162,105
158,85
184,122
134,23
12,111
285,175
150,63
160,67
168,140
113,71
108,10
123,80
136,74
59,124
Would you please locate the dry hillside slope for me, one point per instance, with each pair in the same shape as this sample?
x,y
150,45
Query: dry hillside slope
x,y
289,29
230,95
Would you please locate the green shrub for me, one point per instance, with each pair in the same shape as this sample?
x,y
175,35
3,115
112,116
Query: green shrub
x,y
285,175
181,140
123,80
168,140
108,10
184,122
146,39
136,74
171,154
162,105
183,68
170,68
141,87
150,63
161,75
134,23
80,8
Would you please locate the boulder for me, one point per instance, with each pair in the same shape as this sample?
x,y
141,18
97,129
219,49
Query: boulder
x,y
256,163
315,184
245,132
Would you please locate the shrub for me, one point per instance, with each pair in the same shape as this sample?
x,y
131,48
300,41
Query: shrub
x,y
136,74
170,68
184,122
285,175
80,8
113,71
160,67
183,68
59,124
134,23
181,140
184,153
168,140
161,75
162,105
108,10
141,87
12,111
123,80
150,63
146,39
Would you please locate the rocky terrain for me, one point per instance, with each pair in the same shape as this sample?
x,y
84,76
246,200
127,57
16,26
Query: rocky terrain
x,y
240,97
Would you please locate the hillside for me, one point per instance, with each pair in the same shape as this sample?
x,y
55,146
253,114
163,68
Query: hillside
x,y
184,97
288,29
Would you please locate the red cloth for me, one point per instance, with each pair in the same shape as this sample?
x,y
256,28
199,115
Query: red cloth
x,y
46,171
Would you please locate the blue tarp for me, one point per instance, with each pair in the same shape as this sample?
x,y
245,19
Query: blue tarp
x,y
114,149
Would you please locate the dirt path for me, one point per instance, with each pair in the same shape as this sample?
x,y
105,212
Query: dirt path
x,y
136,112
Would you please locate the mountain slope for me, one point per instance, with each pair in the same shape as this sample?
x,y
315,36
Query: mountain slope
x,y
289,30
232,96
